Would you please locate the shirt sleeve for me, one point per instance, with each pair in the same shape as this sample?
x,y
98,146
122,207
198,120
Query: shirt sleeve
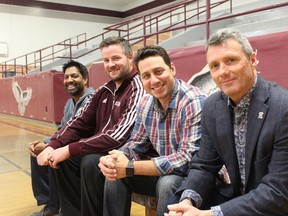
x,y
69,131
139,146
114,135
83,139
66,114
197,201
190,133
216,211
192,195
63,121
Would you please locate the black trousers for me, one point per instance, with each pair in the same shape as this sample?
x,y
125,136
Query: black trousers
x,y
44,185
81,186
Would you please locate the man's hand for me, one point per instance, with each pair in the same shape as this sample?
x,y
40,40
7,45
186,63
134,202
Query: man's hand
x,y
107,167
42,158
120,163
36,147
113,165
185,208
58,155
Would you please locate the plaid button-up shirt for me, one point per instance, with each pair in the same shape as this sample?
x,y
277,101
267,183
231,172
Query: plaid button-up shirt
x,y
172,135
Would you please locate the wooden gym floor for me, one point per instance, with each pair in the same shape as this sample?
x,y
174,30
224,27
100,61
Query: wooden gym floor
x,y
15,180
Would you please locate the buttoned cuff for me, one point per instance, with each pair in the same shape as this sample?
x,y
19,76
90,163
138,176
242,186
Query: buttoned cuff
x,y
193,196
216,211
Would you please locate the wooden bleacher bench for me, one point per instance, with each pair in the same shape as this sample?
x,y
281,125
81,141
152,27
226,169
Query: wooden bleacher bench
x,y
149,202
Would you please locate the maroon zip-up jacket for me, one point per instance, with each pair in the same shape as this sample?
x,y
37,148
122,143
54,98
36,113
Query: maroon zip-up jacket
x,y
105,122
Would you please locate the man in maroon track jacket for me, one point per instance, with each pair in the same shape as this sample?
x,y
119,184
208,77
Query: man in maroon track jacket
x,y
105,123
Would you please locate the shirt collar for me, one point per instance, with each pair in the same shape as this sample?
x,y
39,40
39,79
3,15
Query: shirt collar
x,y
245,100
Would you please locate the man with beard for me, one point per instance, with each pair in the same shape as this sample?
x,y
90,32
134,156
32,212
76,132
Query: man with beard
x,y
104,124
43,183
165,137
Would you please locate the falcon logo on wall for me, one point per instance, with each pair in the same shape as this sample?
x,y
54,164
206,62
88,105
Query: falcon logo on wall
x,y
22,97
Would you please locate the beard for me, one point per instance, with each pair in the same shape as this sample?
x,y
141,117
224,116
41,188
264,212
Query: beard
x,y
76,91
122,74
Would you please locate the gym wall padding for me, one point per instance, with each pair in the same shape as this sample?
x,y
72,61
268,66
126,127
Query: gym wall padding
x,y
49,97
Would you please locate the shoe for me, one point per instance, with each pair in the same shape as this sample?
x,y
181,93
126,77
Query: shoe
x,y
46,212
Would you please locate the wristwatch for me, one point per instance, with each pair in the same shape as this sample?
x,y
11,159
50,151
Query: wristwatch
x,y
130,169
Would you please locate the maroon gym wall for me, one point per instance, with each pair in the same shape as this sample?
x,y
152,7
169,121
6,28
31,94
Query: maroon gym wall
x,y
49,96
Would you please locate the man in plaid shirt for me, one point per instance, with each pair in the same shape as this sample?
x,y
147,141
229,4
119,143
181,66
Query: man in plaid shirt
x,y
165,137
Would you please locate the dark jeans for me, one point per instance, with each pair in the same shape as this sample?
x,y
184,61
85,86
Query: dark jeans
x,y
81,186
44,185
117,195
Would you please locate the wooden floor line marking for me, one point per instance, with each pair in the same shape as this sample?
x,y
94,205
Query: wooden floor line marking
x,y
16,165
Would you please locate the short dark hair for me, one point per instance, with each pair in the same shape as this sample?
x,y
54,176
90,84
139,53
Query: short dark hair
x,y
149,51
127,49
82,69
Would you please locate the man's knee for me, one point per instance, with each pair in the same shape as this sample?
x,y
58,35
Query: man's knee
x,y
33,163
169,183
89,169
90,162
117,186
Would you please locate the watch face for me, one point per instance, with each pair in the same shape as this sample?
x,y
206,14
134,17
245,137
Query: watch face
x,y
130,169
129,172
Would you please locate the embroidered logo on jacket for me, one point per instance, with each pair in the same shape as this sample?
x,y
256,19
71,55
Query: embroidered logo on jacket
x,y
105,100
260,115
